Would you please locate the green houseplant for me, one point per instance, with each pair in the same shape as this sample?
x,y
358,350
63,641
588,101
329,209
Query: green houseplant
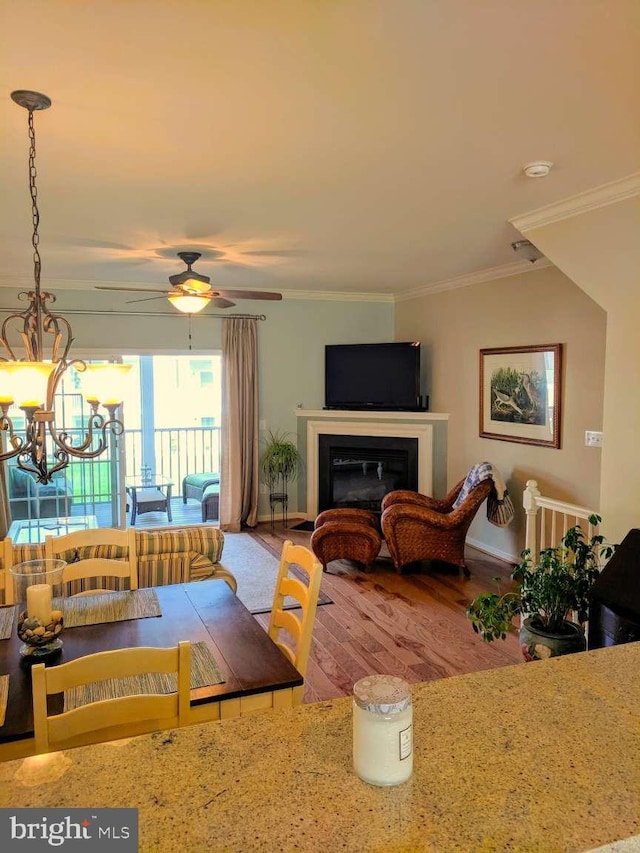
x,y
279,462
546,594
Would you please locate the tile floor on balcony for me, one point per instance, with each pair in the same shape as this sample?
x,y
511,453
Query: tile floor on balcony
x,y
189,513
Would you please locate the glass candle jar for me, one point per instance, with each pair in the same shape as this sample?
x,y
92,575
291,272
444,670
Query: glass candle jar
x,y
36,583
382,730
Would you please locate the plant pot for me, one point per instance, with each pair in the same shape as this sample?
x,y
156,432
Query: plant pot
x,y
537,643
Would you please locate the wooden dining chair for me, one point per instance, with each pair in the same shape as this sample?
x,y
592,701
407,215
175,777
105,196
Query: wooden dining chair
x,y
299,628
102,719
72,546
6,581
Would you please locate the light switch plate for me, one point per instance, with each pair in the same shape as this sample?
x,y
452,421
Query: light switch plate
x,y
593,438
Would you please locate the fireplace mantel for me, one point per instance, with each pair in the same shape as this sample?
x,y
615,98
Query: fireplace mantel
x,y
430,428
369,414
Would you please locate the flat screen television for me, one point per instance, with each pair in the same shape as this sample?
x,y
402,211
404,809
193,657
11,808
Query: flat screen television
x,y
373,376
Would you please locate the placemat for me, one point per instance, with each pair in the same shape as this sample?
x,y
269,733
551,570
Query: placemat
x,y
204,671
4,695
107,607
7,616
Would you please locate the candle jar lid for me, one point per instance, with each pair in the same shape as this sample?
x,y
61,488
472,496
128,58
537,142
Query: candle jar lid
x,y
382,694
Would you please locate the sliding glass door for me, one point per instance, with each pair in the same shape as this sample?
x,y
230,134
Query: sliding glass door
x,y
172,415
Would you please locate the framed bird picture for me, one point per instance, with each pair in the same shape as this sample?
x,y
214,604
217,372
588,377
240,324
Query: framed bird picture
x,y
520,394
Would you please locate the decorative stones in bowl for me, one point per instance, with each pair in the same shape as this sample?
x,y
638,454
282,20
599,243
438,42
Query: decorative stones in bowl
x,y
40,640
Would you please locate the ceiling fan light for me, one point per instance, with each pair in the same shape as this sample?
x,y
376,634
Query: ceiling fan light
x,y
194,285
188,303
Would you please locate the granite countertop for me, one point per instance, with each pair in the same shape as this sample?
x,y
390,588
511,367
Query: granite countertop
x,y
539,757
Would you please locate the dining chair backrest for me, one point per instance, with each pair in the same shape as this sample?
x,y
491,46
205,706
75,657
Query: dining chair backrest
x,y
87,723
299,628
71,546
6,581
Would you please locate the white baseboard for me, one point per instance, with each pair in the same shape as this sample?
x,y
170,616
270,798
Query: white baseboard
x,y
494,552
296,516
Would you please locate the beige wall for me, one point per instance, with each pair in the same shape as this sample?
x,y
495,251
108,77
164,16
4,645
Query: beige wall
x,y
539,307
600,250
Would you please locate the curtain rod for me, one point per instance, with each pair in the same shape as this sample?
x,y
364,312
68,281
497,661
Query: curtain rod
x,y
154,314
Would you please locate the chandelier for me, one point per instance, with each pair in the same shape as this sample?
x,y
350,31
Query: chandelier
x,y
30,383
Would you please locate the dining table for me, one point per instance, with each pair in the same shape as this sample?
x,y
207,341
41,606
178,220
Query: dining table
x,y
257,675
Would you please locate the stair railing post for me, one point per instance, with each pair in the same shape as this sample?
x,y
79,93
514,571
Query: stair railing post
x,y
530,504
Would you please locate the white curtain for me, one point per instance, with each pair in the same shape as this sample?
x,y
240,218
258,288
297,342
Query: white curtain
x,y
239,438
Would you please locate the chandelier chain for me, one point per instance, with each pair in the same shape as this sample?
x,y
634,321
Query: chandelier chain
x,y
35,213
46,446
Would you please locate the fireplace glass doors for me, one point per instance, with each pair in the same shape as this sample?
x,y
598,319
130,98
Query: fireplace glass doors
x,y
358,471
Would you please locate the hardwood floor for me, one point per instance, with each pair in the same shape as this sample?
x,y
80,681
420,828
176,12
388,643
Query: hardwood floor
x,y
413,625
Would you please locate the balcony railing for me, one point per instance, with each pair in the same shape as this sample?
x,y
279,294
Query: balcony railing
x,y
86,486
178,451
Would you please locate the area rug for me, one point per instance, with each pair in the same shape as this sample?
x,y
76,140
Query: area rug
x,y
256,570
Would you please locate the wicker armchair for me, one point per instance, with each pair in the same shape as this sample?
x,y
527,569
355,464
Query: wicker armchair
x,y
417,527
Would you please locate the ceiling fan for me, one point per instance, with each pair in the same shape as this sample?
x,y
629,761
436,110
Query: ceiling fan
x,y
192,291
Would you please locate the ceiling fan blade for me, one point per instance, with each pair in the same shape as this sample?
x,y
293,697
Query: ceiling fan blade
x,y
275,253
128,289
146,299
251,294
221,302
96,244
201,231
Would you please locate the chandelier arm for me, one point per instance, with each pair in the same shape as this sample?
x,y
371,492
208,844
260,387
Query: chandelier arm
x,y
63,461
16,441
4,339
43,472
96,431
51,324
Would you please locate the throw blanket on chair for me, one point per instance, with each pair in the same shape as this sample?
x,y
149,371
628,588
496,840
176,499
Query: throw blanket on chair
x,y
500,509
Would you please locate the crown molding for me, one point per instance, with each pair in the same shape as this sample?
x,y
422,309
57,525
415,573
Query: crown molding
x,y
478,277
336,296
592,199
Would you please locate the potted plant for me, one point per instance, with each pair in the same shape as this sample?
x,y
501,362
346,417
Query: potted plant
x,y
547,593
279,463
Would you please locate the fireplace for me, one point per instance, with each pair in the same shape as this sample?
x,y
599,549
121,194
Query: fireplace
x,y
380,430
359,470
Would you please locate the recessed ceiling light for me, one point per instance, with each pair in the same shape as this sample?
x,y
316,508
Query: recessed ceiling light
x,y
537,169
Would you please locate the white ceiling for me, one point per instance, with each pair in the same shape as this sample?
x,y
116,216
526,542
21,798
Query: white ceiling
x,y
364,146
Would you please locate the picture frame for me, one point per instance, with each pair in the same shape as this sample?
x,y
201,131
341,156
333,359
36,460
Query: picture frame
x,y
521,394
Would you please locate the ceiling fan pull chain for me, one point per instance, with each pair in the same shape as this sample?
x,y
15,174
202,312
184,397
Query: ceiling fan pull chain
x,y
190,316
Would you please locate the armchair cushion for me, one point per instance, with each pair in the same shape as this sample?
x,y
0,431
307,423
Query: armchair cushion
x,y
406,496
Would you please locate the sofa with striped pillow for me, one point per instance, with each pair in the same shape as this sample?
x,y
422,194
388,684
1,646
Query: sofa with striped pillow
x,y
168,555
